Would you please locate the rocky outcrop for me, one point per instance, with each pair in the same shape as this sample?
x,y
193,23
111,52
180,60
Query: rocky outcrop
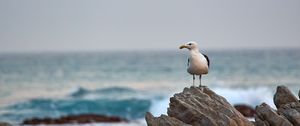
x,y
73,119
287,105
291,114
266,114
199,106
283,96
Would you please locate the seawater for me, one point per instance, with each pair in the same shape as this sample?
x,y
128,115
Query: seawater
x,y
128,84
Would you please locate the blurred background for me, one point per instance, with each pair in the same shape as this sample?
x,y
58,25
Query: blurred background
x,y
121,58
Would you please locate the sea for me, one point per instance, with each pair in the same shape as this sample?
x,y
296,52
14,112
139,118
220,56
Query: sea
x,y
128,84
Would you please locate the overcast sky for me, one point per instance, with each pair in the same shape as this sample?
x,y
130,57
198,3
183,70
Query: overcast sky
x,y
88,25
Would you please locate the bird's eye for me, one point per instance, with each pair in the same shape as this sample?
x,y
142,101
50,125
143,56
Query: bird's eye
x,y
190,44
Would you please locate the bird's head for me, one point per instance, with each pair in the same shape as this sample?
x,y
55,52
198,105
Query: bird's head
x,y
189,46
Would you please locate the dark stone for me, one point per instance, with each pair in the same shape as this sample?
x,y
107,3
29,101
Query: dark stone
x,y
163,120
199,106
283,96
246,110
291,114
202,106
259,122
265,113
74,119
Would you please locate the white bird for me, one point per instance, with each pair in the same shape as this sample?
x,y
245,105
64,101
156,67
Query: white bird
x,y
198,63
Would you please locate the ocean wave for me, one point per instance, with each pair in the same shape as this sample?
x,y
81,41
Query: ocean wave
x,y
105,101
251,96
129,108
118,101
111,92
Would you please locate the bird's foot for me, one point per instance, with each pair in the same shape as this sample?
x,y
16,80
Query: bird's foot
x,y
202,86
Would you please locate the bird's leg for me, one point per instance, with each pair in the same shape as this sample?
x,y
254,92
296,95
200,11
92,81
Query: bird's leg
x,y
200,80
193,79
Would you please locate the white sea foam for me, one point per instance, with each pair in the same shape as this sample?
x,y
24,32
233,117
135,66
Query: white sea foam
x,y
159,106
249,96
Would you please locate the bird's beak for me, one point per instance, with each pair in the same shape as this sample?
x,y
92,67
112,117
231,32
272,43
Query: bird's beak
x,y
182,46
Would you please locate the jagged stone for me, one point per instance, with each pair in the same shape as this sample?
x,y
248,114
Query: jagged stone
x,y
246,110
265,113
291,105
283,96
163,120
79,119
201,106
291,114
259,122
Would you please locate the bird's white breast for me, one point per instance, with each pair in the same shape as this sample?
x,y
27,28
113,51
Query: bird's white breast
x,y
198,64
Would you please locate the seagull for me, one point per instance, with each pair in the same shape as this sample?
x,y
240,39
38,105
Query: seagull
x,y
198,63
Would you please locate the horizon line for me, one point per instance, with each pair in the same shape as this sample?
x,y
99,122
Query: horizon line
x,y
141,50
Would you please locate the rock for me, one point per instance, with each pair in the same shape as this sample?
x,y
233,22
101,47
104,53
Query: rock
x,y
163,120
5,124
73,119
201,106
246,110
291,114
288,105
292,105
283,96
265,113
259,122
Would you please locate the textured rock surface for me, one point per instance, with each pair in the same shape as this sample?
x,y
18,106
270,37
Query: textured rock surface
x,y
199,106
259,122
246,110
291,114
283,96
265,113
163,120
288,110
288,105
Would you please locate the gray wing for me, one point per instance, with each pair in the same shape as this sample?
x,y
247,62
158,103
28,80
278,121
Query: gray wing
x,y
207,59
188,63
